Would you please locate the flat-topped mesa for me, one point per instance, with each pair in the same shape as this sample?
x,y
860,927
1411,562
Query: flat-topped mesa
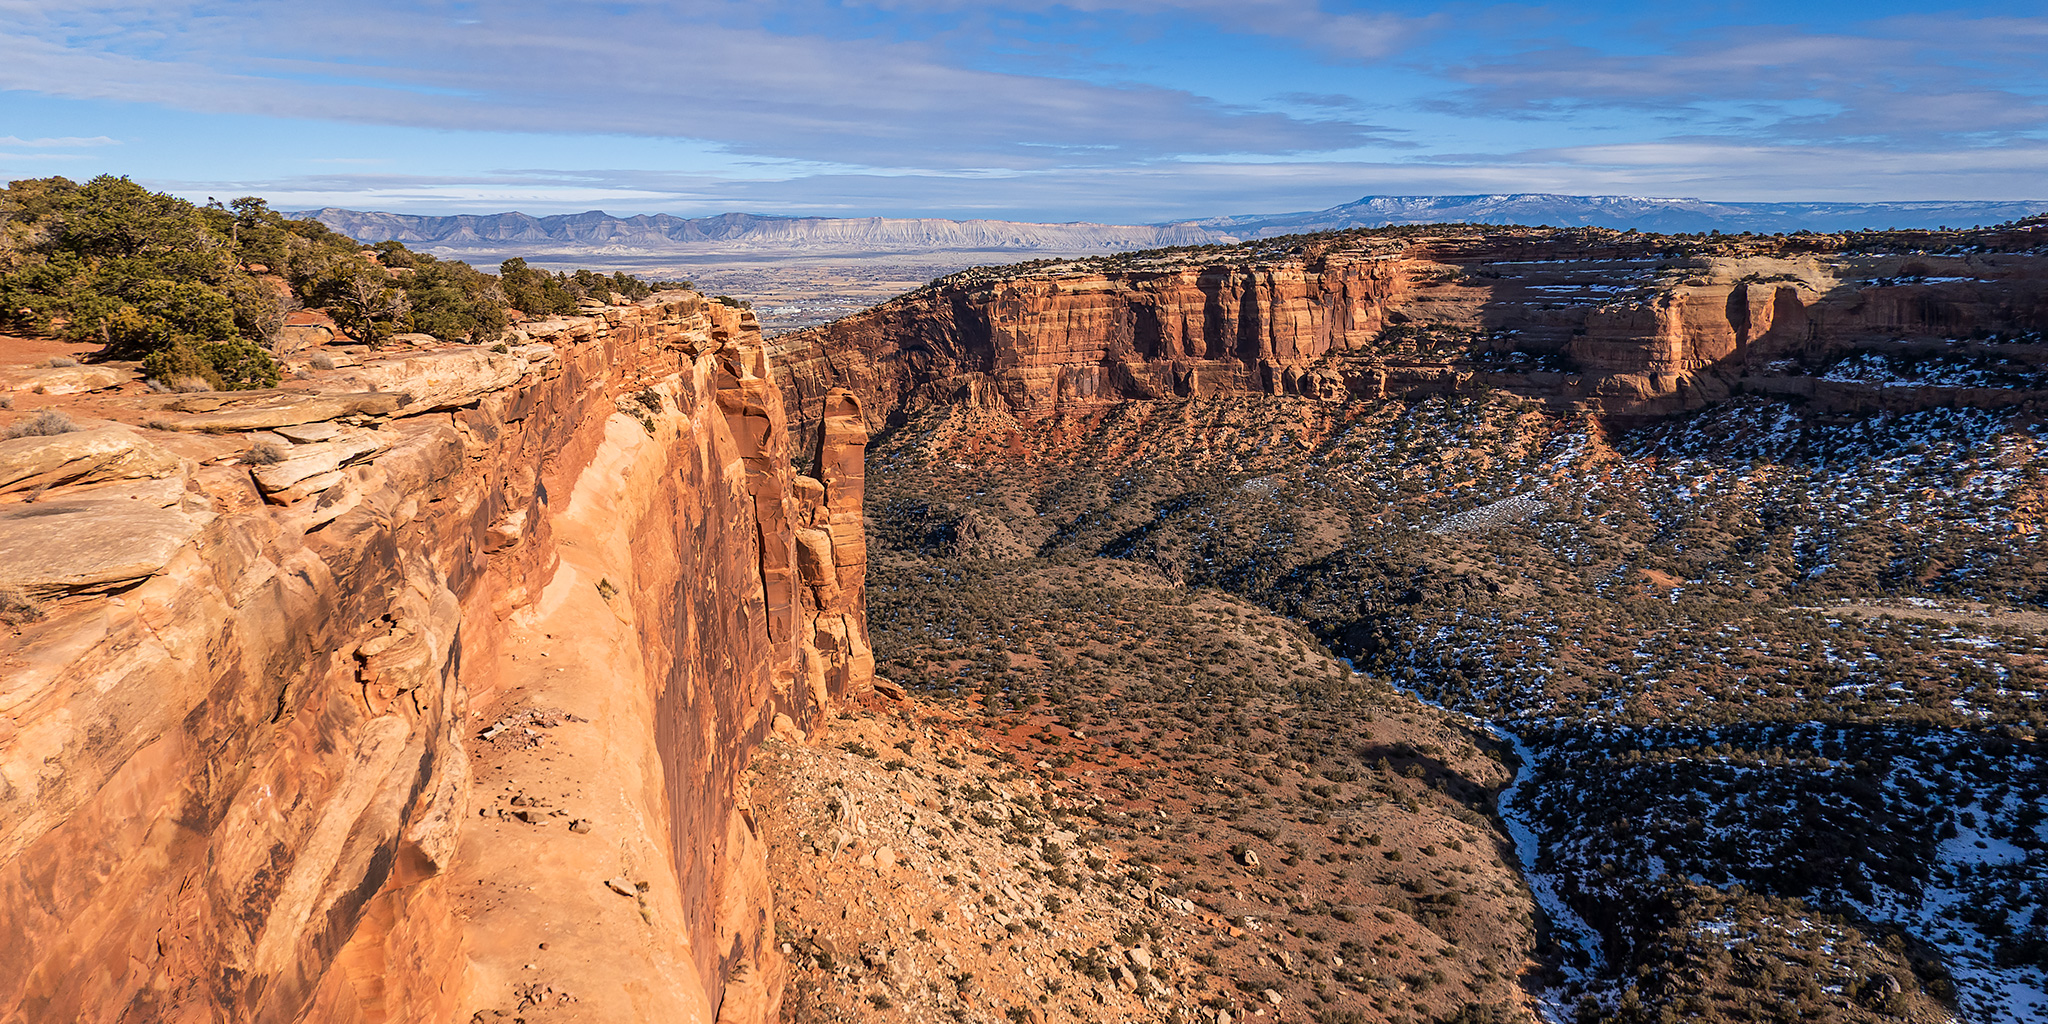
x,y
421,687
1621,324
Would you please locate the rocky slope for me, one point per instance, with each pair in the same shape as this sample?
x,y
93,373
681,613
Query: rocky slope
x,y
1620,324
417,689
1112,798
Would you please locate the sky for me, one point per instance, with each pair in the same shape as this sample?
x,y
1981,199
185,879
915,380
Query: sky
x,y
1122,111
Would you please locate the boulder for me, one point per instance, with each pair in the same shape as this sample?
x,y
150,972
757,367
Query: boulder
x,y
814,562
83,456
300,337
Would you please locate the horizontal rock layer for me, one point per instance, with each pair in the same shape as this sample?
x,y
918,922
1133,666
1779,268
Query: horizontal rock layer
x,y
237,749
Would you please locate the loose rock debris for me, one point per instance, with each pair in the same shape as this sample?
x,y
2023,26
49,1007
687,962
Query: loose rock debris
x,y
522,729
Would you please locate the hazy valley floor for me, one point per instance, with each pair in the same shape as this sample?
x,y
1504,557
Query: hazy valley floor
x,y
790,287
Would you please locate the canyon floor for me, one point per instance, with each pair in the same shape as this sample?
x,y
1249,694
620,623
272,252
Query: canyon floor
x,y
1090,850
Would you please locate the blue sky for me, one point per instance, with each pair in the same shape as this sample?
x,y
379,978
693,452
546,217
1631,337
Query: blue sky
x,y
1109,110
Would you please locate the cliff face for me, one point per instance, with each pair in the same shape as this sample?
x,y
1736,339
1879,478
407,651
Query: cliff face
x,y
260,753
1613,325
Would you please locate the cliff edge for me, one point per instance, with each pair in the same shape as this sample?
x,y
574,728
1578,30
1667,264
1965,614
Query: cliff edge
x,y
420,688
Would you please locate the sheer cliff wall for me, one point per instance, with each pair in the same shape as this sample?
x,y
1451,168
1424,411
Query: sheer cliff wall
x,y
1622,325
257,750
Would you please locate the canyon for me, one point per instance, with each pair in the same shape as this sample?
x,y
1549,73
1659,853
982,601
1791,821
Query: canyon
x,y
1731,546
1368,626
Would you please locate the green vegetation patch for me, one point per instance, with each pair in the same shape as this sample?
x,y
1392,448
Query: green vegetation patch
x,y
202,293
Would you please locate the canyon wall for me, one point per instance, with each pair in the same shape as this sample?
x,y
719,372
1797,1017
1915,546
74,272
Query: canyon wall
x,y
419,688
1615,324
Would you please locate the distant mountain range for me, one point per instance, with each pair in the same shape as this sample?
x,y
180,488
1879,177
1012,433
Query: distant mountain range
x,y
598,234
1643,214
658,234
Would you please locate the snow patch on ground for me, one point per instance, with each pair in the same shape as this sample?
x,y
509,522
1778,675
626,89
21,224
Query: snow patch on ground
x,y
1572,930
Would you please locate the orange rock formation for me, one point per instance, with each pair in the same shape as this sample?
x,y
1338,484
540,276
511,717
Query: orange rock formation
x,y
438,708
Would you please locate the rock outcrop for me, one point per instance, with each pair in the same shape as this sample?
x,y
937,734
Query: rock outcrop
x,y
1618,324
419,689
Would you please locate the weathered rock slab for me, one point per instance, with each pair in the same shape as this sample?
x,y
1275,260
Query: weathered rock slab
x,y
447,378
308,433
79,457
58,547
71,380
315,463
277,409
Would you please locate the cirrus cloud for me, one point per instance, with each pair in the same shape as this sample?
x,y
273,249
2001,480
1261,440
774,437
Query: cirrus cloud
x,y
633,69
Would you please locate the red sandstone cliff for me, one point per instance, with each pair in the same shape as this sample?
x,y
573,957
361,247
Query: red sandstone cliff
x,y
1616,324
438,708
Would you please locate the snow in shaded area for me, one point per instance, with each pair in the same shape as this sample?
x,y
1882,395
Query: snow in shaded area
x,y
1499,513
1581,959
1938,831
1747,650
1958,372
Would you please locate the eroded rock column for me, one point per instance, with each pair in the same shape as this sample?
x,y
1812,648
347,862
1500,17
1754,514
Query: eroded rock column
x,y
833,555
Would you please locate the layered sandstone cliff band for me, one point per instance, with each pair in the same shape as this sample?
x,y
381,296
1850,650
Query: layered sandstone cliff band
x,y
449,699
1635,327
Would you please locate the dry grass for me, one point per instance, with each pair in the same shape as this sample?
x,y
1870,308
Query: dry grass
x,y
263,453
47,423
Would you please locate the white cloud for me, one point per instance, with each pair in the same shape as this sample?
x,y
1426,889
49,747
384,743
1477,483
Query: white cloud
x,y
1348,36
528,66
1905,81
68,142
